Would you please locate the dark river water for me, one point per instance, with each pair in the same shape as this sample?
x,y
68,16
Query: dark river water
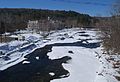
x,y
38,70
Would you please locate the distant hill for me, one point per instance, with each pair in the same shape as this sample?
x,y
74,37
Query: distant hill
x,y
17,18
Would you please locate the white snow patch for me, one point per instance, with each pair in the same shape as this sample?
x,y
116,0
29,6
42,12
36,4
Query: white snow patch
x,y
37,58
52,74
32,38
25,62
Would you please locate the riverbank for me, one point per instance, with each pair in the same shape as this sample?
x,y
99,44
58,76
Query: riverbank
x,y
77,55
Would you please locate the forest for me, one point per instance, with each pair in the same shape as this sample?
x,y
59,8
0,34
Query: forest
x,y
17,18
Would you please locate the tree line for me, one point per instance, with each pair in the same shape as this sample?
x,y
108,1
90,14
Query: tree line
x,y
17,18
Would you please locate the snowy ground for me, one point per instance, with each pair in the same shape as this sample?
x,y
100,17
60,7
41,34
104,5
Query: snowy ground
x,y
82,67
87,64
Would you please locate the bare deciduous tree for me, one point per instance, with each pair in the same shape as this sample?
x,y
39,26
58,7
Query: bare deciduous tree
x,y
116,8
111,40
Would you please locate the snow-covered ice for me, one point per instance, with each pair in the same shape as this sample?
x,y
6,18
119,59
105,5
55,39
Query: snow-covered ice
x,y
86,65
25,62
37,58
52,74
82,67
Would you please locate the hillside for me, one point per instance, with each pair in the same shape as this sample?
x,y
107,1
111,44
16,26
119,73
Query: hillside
x,y
17,18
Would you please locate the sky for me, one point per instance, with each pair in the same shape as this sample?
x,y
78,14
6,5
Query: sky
x,y
91,7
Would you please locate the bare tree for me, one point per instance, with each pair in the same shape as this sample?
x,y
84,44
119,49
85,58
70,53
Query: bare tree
x,y
111,40
116,8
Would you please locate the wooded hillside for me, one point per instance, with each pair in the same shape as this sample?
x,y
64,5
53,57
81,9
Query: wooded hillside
x,y
17,18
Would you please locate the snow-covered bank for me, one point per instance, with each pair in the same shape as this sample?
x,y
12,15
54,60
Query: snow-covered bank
x,y
83,66
88,64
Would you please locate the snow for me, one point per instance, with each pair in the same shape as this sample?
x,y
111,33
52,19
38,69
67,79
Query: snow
x,y
32,38
6,47
25,62
37,58
83,65
52,74
14,36
86,65
33,35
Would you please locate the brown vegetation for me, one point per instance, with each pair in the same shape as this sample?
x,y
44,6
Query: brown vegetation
x,y
110,28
